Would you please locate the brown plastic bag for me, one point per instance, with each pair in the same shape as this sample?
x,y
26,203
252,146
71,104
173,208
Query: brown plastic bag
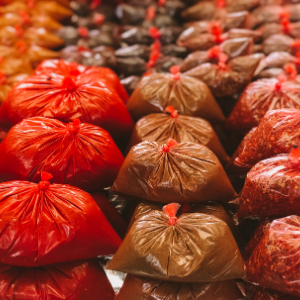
x,y
161,127
142,288
227,79
185,173
196,246
186,94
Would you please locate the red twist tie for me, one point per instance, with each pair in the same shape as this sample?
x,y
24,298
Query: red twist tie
x,y
25,17
99,19
2,78
83,49
95,4
44,184
284,15
171,210
73,126
150,15
19,30
214,52
296,44
170,144
222,61
30,3
291,70
280,79
75,72
83,32
171,110
21,46
286,25
156,45
161,2
294,158
216,30
175,70
154,33
221,3
69,84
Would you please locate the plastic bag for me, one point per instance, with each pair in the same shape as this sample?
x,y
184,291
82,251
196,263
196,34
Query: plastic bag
x,y
291,29
52,95
102,74
186,94
79,154
277,132
84,279
280,42
273,264
266,14
225,79
9,36
162,246
267,294
185,173
236,33
42,224
11,65
271,187
232,48
24,20
141,288
259,97
130,83
161,127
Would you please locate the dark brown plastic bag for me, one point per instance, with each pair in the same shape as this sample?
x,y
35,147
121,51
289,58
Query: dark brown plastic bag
x,y
185,173
198,246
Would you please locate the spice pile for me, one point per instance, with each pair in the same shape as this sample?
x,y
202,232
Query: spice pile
x,y
171,125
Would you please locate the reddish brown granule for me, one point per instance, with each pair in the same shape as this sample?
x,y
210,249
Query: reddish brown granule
x,y
277,132
275,262
258,98
264,294
272,188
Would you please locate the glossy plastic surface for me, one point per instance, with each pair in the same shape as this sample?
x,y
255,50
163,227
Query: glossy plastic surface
x,y
142,288
274,262
84,279
161,127
185,173
79,154
186,94
62,97
47,223
198,247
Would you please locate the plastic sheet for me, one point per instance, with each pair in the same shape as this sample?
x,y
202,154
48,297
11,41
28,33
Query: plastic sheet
x,y
273,264
79,154
185,173
84,279
157,91
277,132
162,246
271,187
52,221
82,96
227,79
141,288
161,127
258,98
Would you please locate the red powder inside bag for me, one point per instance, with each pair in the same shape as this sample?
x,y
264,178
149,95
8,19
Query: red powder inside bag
x,y
274,262
159,247
185,173
66,68
65,98
272,187
78,154
47,223
277,132
258,98
84,279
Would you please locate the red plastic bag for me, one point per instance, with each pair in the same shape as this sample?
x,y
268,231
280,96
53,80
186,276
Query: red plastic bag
x,y
195,244
277,132
79,154
225,79
52,95
43,224
271,187
267,294
161,127
84,279
142,288
274,262
186,94
67,68
261,96
232,48
185,173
